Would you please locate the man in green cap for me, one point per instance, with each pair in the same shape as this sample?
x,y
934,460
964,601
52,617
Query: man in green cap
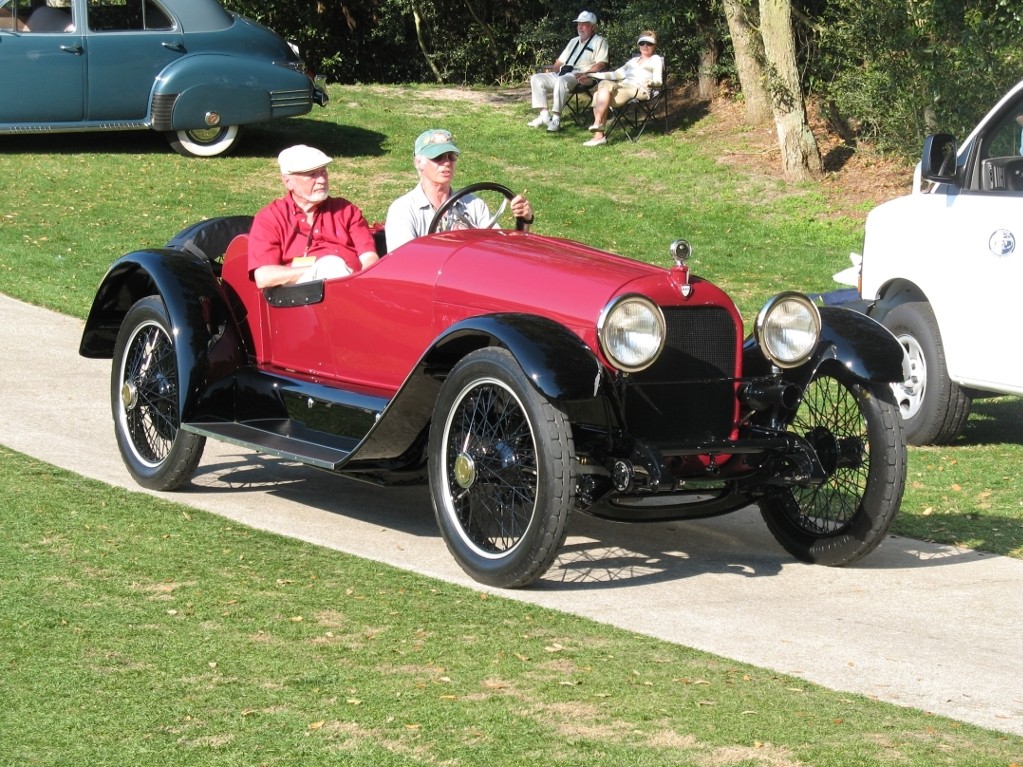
x,y
408,217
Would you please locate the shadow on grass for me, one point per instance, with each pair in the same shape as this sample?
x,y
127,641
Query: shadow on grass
x,y
996,421
684,111
254,141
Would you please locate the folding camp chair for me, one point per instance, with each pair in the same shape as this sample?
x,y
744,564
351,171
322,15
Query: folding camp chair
x,y
634,116
579,106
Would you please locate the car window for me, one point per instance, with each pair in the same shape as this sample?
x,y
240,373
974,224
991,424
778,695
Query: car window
x,y
1004,137
9,14
997,166
37,15
127,15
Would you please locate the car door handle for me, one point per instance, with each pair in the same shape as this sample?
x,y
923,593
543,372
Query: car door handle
x,y
174,47
75,49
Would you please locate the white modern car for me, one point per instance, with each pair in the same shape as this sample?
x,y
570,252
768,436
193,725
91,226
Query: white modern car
x,y
942,268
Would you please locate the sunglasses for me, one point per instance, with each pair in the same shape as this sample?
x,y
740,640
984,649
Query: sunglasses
x,y
645,43
446,157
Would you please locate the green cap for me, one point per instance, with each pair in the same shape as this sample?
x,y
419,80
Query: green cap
x,y
433,143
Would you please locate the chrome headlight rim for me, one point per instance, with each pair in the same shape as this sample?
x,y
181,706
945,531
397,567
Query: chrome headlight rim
x,y
608,325
766,327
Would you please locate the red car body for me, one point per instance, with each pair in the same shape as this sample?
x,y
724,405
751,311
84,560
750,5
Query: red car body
x,y
484,362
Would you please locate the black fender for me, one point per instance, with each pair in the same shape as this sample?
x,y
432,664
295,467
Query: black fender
x,y
862,345
557,362
858,343
198,309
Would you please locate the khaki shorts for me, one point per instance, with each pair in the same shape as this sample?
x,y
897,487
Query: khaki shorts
x,y
623,92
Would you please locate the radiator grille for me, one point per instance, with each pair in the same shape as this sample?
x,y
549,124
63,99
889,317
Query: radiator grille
x,y
688,394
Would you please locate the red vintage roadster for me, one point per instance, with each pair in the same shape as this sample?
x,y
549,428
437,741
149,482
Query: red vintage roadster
x,y
524,377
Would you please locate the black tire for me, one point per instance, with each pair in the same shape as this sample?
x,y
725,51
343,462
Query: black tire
x,y
204,142
857,434
934,408
144,398
502,471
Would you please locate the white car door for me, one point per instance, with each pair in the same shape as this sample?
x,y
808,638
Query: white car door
x,y
982,287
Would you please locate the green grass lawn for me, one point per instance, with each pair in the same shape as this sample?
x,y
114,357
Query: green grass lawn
x,y
136,631
82,200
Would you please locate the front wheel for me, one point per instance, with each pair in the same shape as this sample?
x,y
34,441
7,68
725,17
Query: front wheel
x,y
502,471
855,430
204,142
144,385
934,408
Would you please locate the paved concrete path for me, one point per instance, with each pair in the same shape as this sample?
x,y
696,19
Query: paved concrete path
x,y
933,627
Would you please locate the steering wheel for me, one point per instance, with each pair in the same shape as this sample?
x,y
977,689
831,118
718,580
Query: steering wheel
x,y
482,186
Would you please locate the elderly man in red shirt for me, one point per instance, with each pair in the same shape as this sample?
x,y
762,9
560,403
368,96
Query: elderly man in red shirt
x,y
307,234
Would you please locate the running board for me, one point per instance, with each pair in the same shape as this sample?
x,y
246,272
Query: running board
x,y
271,440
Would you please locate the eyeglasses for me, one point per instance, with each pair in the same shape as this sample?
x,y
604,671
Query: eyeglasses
x,y
311,174
646,43
446,157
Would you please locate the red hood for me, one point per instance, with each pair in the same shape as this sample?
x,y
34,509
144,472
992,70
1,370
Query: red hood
x,y
476,277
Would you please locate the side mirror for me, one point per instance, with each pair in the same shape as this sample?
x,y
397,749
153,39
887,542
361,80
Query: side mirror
x,y
938,163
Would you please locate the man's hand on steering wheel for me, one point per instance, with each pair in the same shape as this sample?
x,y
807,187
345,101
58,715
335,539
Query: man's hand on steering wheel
x,y
519,205
522,210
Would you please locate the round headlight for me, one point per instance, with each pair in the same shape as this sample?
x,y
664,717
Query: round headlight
x,y
787,329
631,332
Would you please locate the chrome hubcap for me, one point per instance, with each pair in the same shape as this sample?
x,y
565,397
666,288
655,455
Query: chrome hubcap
x,y
129,395
465,471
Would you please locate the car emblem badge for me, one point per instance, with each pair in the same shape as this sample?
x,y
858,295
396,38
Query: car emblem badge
x,y
686,290
1002,242
465,471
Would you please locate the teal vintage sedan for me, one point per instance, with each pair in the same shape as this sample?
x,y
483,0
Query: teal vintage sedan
x,y
187,68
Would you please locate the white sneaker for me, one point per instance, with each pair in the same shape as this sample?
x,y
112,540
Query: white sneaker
x,y
541,119
554,125
595,141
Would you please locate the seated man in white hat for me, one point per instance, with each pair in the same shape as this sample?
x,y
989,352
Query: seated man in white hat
x,y
584,53
307,234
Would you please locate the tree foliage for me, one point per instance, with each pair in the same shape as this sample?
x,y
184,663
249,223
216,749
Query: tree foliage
x,y
905,68
893,69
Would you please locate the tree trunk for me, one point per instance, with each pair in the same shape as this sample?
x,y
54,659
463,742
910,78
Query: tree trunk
x,y
418,19
710,54
488,31
800,155
749,59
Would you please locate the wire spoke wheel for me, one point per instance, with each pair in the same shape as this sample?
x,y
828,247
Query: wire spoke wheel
x,y
149,392
830,419
855,431
145,396
491,463
501,470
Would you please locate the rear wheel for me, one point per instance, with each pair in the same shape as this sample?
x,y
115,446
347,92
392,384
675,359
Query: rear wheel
x,y
855,430
501,471
144,389
204,142
934,408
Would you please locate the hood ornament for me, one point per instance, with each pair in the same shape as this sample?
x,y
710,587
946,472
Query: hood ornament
x,y
680,251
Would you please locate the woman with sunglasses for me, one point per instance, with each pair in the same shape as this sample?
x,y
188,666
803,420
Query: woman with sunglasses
x,y
633,80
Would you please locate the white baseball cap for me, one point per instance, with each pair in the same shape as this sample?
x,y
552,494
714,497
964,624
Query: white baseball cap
x,y
301,159
586,17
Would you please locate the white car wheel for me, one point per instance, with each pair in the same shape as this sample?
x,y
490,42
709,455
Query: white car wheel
x,y
934,408
909,395
204,142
